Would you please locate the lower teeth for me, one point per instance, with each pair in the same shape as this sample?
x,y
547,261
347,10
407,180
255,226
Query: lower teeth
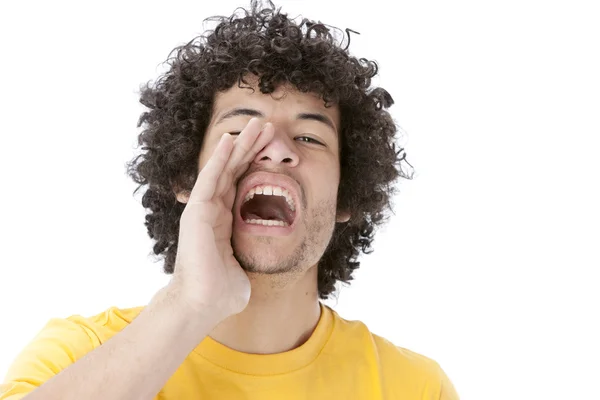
x,y
265,222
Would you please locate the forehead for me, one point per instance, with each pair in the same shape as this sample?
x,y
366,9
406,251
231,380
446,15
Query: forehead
x,y
284,101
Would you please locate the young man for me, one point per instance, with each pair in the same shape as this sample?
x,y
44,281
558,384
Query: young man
x,y
268,164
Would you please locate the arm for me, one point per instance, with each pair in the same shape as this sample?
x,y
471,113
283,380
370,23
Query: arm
x,y
208,285
137,362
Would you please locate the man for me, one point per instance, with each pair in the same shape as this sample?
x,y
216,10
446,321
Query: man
x,y
269,162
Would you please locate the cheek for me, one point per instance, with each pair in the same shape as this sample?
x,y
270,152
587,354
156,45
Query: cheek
x,y
326,182
328,172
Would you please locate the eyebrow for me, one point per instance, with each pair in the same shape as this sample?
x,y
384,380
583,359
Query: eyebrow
x,y
250,112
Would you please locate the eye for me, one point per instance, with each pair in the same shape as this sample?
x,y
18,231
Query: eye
x,y
235,133
308,139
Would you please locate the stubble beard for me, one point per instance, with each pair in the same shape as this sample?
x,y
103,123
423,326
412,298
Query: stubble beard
x,y
319,223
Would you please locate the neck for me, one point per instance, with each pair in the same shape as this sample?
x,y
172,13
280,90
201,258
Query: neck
x,y
281,315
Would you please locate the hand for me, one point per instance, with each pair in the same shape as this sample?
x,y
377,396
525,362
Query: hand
x,y
207,276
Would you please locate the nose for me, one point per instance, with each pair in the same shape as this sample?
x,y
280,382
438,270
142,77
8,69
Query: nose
x,y
278,151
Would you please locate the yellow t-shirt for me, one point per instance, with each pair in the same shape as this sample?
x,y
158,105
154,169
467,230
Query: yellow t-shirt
x,y
342,359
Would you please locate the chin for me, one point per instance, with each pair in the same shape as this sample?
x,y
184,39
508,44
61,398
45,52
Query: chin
x,y
266,254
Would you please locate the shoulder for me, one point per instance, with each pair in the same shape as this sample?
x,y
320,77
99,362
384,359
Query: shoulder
x,y
104,324
82,333
399,366
389,353
60,343
96,328
415,367
408,367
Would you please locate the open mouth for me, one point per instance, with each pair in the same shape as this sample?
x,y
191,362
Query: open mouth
x,y
269,206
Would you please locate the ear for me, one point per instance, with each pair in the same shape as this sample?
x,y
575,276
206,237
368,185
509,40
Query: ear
x,y
342,216
182,196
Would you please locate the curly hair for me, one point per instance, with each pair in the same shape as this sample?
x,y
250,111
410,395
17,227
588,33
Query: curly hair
x,y
264,42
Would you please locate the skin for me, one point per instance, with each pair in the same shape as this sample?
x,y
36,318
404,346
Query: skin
x,y
260,297
283,308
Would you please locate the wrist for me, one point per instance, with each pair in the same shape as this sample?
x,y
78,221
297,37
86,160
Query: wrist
x,y
191,309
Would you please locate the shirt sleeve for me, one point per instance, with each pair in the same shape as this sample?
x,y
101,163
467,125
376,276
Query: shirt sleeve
x,y
59,344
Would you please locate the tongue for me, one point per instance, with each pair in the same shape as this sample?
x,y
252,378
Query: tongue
x,y
268,212
255,216
264,207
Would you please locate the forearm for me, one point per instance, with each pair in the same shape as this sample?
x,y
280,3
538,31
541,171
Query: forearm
x,y
137,362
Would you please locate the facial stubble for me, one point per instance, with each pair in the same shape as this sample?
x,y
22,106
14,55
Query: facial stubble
x,y
319,223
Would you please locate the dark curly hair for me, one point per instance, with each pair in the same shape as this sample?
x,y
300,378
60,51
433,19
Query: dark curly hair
x,y
263,41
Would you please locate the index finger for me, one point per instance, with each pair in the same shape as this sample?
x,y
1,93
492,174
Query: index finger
x,y
247,145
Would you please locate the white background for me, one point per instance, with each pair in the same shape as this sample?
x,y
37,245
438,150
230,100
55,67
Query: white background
x,y
490,264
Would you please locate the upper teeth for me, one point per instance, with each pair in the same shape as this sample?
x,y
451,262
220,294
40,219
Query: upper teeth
x,y
271,191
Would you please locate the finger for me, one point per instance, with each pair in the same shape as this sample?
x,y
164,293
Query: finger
x,y
206,183
266,135
243,146
230,177
244,143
